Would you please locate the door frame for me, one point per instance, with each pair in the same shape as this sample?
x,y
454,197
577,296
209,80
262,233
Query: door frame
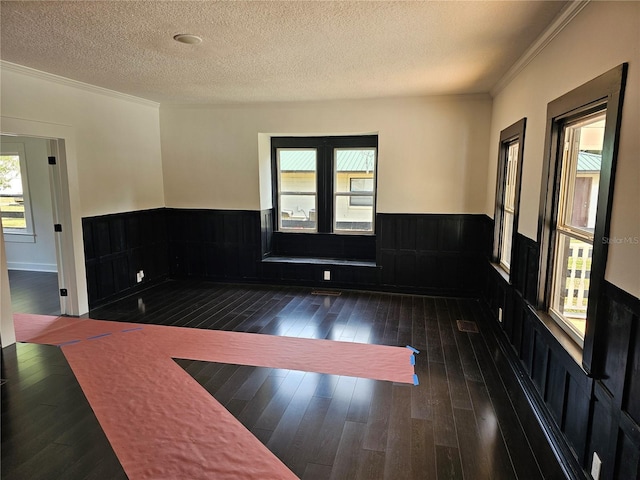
x,y
66,205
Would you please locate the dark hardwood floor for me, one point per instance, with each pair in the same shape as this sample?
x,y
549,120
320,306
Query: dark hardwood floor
x,y
48,428
459,422
34,292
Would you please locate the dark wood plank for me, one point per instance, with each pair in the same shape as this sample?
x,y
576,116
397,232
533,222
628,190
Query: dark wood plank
x,y
398,451
348,450
378,425
448,463
423,460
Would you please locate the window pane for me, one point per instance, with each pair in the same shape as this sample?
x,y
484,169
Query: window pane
x,y
297,170
508,206
297,189
11,193
583,156
507,234
298,212
571,282
350,218
354,189
510,177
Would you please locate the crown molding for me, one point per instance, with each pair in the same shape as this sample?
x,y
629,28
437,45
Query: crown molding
x,y
562,20
32,72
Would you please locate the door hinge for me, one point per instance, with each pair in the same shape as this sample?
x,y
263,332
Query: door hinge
x,y
57,227
52,160
63,292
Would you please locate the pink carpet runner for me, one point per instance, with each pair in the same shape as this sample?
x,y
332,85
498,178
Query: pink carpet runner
x,y
160,422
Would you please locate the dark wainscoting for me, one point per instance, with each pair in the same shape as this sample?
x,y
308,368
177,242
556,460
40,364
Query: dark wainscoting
x,y
616,411
117,246
215,244
324,245
581,415
440,254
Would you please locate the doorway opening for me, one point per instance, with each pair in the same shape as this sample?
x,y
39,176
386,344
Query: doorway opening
x,y
27,212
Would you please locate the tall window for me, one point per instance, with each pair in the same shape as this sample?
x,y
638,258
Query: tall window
x,y
325,184
14,190
575,221
508,192
575,204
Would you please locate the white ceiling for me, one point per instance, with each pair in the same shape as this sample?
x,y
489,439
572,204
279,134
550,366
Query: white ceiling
x,y
274,51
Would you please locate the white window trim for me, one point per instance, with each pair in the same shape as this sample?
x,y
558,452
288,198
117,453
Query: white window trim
x,y
281,193
27,235
350,194
568,167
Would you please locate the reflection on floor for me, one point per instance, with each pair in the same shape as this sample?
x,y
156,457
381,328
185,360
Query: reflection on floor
x,y
34,292
464,419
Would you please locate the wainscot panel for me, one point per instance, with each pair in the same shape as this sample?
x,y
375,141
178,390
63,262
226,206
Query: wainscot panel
x,y
439,254
214,244
117,246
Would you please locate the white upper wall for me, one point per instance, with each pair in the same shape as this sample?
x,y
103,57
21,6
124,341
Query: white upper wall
x,y
602,36
118,158
431,159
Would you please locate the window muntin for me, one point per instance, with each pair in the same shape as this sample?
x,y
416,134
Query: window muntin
x,y
297,189
15,205
354,195
509,204
576,217
358,185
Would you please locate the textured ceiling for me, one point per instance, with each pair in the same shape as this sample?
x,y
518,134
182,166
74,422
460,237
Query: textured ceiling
x,y
274,51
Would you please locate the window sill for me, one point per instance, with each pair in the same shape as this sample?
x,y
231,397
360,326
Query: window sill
x,y
500,270
338,232
10,237
563,338
319,261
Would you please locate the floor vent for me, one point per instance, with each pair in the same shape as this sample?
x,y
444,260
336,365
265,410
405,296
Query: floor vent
x,y
467,326
331,293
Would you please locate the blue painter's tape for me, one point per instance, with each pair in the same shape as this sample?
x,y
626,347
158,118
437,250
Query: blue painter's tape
x,y
98,336
413,359
131,329
415,379
414,350
70,342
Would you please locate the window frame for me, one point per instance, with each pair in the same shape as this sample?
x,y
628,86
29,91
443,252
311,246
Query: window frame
x,y
300,193
19,235
567,173
510,135
325,178
605,91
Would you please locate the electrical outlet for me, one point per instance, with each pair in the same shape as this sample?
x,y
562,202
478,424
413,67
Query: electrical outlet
x,y
500,314
141,272
596,465
139,276
327,275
